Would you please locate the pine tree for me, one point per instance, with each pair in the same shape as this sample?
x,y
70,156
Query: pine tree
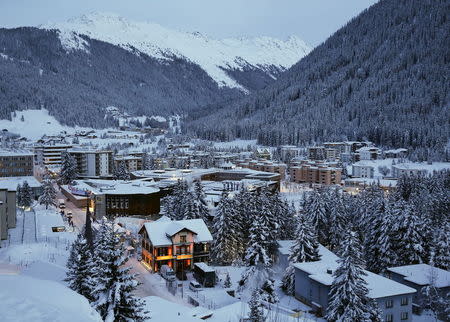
x,y
256,309
191,210
316,211
348,293
148,162
441,247
409,240
26,198
267,291
48,195
227,282
304,249
19,195
122,172
338,222
113,295
225,248
68,168
81,268
199,195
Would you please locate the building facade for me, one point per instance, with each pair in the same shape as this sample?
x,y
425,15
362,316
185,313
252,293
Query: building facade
x,y
178,244
316,172
92,163
7,211
50,154
16,163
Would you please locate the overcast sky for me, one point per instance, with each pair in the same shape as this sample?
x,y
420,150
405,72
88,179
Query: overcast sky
x,y
311,20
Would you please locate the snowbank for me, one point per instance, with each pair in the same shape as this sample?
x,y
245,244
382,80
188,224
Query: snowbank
x,y
24,298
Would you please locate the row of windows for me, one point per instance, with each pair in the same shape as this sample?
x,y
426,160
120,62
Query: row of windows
x,y
404,301
403,316
15,158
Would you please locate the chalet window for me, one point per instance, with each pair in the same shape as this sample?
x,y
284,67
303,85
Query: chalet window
x,y
182,239
389,304
404,301
404,316
389,318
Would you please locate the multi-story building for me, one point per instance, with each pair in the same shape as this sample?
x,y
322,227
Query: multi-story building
x,y
132,162
7,211
419,168
50,154
16,163
313,282
368,153
265,166
419,276
178,244
363,169
316,172
395,153
92,163
116,198
288,152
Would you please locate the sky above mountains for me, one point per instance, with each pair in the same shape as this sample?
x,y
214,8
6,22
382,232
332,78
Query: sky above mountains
x,y
312,21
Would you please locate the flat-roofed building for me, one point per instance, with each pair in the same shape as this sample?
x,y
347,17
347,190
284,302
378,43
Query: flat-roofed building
x,y
50,154
265,166
316,172
92,163
14,163
7,211
132,162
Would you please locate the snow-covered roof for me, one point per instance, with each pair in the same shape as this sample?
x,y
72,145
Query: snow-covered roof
x,y
435,166
14,153
204,267
378,285
400,150
11,183
158,231
423,274
117,187
370,181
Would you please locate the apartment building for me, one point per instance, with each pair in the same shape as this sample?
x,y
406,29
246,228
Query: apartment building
x,y
368,153
132,162
16,163
91,163
316,172
7,211
313,281
178,244
264,166
50,154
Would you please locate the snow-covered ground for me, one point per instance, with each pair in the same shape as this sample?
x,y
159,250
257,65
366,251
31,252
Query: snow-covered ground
x,y
242,144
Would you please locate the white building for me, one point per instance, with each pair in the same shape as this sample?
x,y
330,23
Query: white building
x,y
50,154
423,168
91,163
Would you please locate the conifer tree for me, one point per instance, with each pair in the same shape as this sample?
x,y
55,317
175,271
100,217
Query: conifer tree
x,y
316,211
26,198
48,195
256,309
348,293
19,195
267,291
338,222
199,195
122,172
81,268
227,282
68,168
114,298
304,249
441,247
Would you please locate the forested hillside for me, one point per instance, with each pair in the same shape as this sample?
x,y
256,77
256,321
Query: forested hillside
x,y
382,77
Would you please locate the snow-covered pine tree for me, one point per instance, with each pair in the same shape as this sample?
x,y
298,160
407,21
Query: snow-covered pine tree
x,y
315,209
227,282
122,172
348,293
338,221
114,298
191,210
19,195
409,241
81,268
68,168
27,195
224,250
48,195
256,308
148,162
441,247
267,291
203,210
304,249
378,233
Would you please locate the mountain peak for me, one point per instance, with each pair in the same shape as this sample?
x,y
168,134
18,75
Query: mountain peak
x,y
213,55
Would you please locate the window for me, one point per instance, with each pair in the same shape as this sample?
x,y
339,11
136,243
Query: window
x,y
389,318
404,301
389,304
404,316
182,239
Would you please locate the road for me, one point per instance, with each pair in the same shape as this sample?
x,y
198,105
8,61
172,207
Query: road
x,y
78,214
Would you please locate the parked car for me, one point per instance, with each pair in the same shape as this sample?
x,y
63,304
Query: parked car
x,y
167,273
195,286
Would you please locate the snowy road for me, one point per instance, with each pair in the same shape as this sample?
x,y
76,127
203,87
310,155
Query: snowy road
x,y
78,215
29,227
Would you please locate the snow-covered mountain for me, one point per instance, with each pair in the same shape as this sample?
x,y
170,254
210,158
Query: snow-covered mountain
x,y
215,56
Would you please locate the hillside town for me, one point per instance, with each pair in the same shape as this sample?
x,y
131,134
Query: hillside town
x,y
197,223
